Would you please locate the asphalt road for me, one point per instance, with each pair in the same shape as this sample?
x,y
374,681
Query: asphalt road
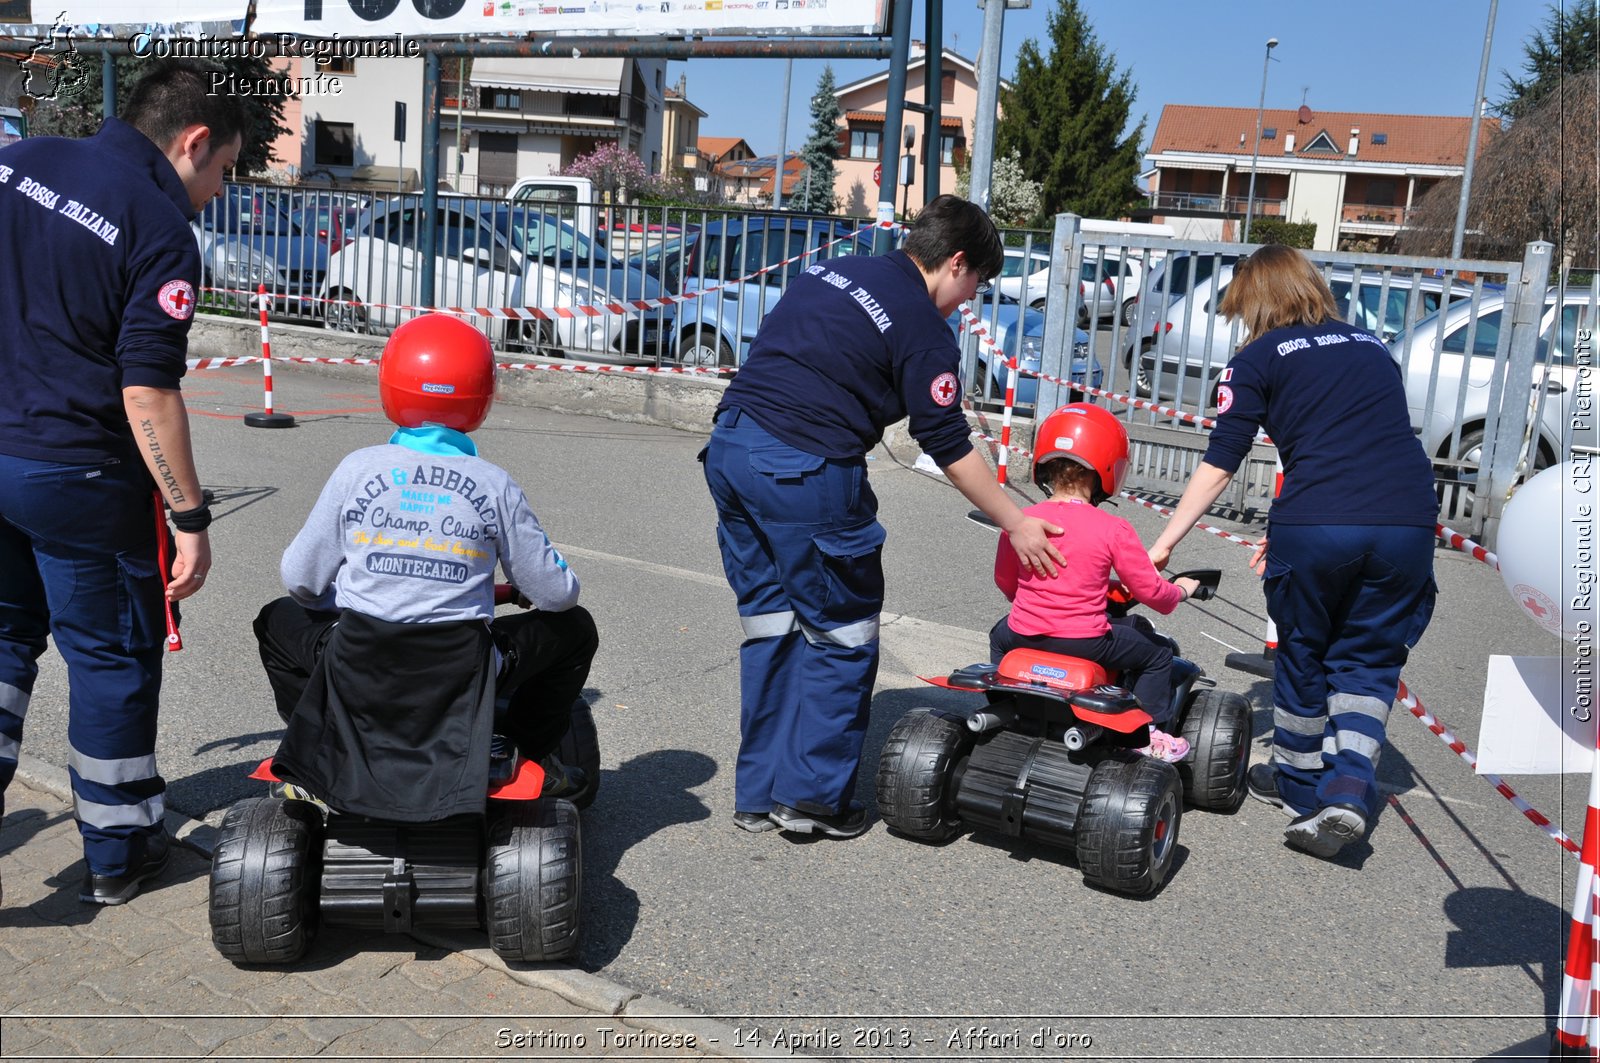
x,y
1440,938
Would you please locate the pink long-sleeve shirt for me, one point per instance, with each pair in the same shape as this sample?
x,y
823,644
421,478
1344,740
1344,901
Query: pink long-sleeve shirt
x,y
1072,604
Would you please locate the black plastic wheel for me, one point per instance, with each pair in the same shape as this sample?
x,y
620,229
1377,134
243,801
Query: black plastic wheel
x,y
580,748
533,881
1128,827
1217,725
264,873
917,774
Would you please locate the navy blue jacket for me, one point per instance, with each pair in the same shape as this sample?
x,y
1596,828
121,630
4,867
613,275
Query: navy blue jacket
x,y
1333,401
854,345
98,275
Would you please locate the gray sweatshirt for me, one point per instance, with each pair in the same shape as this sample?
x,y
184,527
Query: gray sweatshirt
x,y
413,537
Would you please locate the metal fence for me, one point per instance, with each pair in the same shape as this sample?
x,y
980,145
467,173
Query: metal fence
x,y
1461,332
353,262
1130,315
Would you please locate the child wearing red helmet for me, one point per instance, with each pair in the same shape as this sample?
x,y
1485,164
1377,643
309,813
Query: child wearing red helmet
x,y
1080,459
399,553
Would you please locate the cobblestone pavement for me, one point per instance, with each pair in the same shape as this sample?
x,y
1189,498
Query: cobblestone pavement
x,y
143,981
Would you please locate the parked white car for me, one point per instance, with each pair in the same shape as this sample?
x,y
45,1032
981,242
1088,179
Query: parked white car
x,y
1026,278
1449,359
491,255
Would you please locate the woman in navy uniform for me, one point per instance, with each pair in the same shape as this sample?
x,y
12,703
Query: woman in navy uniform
x,y
100,271
854,345
1348,556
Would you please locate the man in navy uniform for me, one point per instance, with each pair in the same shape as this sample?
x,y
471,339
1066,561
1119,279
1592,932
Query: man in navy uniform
x,y
854,345
98,276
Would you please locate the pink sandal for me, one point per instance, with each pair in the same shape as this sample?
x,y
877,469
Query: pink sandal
x,y
1163,746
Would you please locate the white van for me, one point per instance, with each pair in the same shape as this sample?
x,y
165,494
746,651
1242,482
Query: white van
x,y
571,198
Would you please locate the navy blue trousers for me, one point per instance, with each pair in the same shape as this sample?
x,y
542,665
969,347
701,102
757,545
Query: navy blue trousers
x,y
78,563
803,551
1350,601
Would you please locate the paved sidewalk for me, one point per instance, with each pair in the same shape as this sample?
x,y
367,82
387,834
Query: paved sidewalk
x,y
143,981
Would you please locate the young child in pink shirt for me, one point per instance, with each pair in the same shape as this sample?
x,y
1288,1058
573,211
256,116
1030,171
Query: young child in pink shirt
x,y
1080,458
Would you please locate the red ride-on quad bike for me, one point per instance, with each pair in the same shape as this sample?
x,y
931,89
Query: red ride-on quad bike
x,y
281,866
1053,757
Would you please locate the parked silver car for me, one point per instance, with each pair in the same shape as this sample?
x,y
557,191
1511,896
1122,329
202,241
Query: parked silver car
x,y
1449,360
1185,345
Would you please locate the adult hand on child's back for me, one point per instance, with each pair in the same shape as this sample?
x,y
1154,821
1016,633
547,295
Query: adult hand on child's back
x,y
1160,555
1031,540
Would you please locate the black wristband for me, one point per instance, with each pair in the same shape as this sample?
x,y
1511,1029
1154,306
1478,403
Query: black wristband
x,y
193,520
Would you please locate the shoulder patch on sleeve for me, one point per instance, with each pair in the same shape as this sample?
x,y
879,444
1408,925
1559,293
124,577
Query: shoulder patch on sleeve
x,y
944,389
177,299
1224,399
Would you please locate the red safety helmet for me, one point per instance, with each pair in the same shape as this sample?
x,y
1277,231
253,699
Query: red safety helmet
x,y
437,369
1089,435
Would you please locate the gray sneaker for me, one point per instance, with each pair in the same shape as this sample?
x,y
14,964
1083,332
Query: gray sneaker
x,y
1327,830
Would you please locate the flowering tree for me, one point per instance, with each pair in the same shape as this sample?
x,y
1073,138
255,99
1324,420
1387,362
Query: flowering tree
x,y
613,170
1013,199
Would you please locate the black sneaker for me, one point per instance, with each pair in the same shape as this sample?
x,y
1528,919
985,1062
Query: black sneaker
x,y
560,780
502,760
120,889
1261,783
754,822
840,825
1327,830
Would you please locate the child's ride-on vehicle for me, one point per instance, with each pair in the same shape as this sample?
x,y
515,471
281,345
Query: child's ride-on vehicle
x,y
1053,758
282,866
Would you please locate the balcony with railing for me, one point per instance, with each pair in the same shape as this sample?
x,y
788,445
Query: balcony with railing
x,y
1212,203
1374,216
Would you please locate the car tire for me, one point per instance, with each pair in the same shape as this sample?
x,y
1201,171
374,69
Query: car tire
x,y
1217,725
580,748
1139,378
1128,825
341,313
532,881
705,349
1037,304
264,875
1130,312
1457,504
919,772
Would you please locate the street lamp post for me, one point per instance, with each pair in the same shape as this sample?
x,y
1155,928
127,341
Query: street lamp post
x,y
1250,199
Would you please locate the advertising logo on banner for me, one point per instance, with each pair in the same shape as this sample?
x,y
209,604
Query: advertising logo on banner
x,y
632,18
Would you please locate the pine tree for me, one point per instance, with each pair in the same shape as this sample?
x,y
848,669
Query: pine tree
x,y
813,193
78,114
1064,116
1567,43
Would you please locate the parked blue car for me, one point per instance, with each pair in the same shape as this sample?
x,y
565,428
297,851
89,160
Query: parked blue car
x,y
717,330
248,237
1001,320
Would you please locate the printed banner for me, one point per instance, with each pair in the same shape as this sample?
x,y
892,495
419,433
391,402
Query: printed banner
x,y
633,18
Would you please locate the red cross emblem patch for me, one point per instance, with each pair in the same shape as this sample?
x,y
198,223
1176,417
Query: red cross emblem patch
x,y
177,299
1224,399
944,389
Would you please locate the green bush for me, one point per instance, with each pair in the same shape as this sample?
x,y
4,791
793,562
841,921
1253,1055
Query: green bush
x,y
1301,234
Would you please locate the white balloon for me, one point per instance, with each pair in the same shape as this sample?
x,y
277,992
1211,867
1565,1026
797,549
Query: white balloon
x,y
1546,546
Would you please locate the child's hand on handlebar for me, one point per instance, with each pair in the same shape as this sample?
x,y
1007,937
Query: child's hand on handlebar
x,y
1188,584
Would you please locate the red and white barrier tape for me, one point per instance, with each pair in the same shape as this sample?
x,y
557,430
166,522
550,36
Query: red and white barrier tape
x,y
1409,700
1166,511
221,363
1456,541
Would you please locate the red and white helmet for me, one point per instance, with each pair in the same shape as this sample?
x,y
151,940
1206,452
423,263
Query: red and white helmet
x,y
1089,435
437,369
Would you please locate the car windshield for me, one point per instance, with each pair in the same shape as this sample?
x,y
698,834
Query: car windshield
x,y
546,236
